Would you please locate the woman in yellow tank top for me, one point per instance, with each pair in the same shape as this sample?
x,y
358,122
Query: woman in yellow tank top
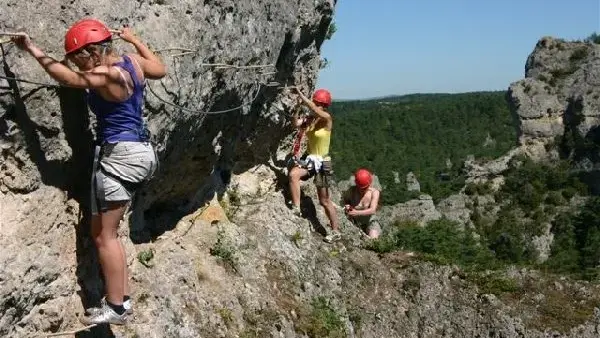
x,y
319,138
318,134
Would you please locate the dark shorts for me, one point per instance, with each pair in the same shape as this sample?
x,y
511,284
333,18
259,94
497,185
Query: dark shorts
x,y
322,180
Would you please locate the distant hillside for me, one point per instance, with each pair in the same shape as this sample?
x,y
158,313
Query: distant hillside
x,y
429,134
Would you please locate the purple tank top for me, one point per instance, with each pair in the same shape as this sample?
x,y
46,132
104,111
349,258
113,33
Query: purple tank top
x,y
120,121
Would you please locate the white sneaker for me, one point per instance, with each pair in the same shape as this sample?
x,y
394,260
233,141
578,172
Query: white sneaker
x,y
104,315
297,211
334,236
128,305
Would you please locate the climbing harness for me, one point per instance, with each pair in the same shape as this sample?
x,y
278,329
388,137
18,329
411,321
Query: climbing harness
x,y
97,183
98,193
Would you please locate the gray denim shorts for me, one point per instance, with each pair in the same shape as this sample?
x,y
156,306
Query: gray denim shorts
x,y
132,162
373,225
368,223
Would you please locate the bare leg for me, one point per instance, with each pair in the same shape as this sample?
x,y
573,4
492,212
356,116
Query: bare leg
x,y
325,201
374,229
296,173
373,233
110,251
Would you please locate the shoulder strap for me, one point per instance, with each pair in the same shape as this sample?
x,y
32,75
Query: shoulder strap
x,y
125,82
127,65
137,64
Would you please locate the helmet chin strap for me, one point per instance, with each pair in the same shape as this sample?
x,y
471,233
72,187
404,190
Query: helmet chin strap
x,y
104,49
103,54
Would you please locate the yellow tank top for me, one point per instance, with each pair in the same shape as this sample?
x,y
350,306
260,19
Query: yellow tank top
x,y
318,141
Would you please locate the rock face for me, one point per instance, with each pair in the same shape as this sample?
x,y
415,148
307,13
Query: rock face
x,y
212,248
422,210
559,92
559,102
412,184
46,133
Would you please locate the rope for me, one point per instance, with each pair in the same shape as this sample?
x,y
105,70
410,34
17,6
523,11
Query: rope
x,y
216,112
270,84
10,34
187,51
44,84
298,141
175,48
68,333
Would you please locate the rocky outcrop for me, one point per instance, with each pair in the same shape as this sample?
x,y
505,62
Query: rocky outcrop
x,y
557,105
262,272
412,184
456,208
212,248
559,92
47,131
421,210
48,268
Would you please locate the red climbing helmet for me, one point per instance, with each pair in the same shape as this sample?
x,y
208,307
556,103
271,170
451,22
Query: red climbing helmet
x,y
363,178
322,96
85,32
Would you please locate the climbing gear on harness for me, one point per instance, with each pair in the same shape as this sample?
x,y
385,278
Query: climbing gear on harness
x,y
97,183
326,166
85,32
98,191
322,96
295,156
298,142
363,178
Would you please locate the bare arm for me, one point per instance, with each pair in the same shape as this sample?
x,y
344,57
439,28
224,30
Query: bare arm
x,y
298,120
316,109
63,74
151,64
372,206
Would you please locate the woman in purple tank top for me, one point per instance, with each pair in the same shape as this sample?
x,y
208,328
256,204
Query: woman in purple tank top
x,y
124,156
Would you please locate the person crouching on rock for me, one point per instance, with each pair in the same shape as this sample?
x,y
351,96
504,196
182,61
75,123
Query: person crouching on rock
x,y
124,156
316,163
361,202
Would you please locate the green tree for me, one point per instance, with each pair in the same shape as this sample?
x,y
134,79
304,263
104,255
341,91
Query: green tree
x,y
594,38
331,30
420,133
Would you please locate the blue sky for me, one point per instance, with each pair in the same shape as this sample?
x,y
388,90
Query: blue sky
x,y
385,47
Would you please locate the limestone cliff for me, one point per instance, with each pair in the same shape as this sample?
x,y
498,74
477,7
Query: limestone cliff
x,y
241,265
559,98
46,133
